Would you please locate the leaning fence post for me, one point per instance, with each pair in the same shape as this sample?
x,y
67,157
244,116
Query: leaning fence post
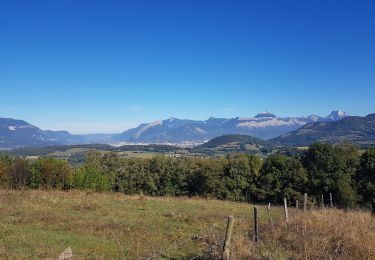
x,y
269,215
313,205
228,237
286,210
256,229
305,202
330,200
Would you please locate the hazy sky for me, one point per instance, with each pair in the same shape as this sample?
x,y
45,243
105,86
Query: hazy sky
x,y
104,66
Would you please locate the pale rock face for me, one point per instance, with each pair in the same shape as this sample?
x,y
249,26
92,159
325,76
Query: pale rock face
x,y
199,130
245,118
14,128
274,121
143,129
314,118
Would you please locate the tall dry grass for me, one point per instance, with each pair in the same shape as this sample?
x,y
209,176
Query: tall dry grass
x,y
320,234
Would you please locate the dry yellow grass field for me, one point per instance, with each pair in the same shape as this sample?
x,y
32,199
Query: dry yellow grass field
x,y
41,224
321,234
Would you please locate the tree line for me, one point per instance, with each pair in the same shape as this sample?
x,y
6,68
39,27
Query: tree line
x,y
324,168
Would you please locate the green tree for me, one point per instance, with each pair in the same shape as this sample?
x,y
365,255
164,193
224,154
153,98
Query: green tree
x,y
90,177
331,169
240,175
132,178
49,173
19,173
5,163
366,178
281,177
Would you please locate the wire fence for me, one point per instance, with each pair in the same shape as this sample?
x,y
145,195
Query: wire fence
x,y
312,205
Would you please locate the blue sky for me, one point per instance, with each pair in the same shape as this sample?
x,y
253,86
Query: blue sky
x,y
105,66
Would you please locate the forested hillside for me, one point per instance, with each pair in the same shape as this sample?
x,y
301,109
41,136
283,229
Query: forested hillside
x,y
234,138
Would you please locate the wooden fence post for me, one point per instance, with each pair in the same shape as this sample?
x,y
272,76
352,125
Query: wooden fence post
x,y
305,202
322,201
330,200
297,205
313,204
228,237
286,210
256,229
269,215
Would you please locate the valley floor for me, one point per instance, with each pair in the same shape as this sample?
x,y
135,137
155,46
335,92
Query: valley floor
x,y
41,224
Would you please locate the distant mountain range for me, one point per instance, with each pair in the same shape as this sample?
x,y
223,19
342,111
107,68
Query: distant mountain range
x,y
353,129
18,133
264,125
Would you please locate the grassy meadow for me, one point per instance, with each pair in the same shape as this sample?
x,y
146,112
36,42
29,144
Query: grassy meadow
x,y
38,224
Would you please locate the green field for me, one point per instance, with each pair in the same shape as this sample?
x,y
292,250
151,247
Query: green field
x,y
81,152
37,224
41,224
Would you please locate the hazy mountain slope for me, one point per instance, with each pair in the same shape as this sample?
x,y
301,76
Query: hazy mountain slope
x,y
18,133
64,137
158,131
353,129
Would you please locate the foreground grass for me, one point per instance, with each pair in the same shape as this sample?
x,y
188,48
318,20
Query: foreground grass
x,y
41,224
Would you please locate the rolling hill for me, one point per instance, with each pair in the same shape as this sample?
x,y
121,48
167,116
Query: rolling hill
x,y
234,138
234,143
